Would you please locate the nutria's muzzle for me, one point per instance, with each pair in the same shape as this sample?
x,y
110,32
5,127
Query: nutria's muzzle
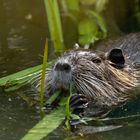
x,y
62,76
62,67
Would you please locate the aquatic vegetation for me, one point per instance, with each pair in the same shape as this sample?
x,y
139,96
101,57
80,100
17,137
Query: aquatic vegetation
x,y
46,125
54,22
90,26
68,112
91,29
19,79
43,78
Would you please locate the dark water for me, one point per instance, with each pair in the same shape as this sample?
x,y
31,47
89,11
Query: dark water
x,y
23,30
16,117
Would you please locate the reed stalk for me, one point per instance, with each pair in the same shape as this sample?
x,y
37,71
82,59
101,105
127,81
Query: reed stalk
x,y
43,78
54,23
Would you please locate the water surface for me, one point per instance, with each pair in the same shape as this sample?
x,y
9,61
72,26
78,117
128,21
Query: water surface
x,y
23,30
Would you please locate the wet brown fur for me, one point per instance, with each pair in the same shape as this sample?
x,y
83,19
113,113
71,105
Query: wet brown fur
x,y
104,85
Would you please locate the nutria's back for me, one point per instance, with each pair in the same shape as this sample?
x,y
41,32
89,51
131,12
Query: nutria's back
x,y
106,79
130,46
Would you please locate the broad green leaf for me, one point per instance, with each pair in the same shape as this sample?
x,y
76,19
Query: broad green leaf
x,y
16,80
73,5
100,22
19,79
49,123
88,30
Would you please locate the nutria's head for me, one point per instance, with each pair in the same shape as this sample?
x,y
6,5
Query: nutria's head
x,y
102,77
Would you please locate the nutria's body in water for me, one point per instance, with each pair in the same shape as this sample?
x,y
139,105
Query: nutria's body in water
x,y
103,80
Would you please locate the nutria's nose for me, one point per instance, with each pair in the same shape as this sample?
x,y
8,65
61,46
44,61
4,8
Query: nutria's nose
x,y
62,67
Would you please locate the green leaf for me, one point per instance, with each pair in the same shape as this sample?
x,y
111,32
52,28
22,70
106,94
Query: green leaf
x,y
88,30
19,79
91,28
68,112
53,98
45,58
54,22
100,5
100,21
46,125
73,5
20,75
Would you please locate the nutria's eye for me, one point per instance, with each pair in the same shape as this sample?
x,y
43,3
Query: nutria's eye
x,y
96,61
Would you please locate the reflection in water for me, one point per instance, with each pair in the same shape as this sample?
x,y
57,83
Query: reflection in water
x,y
23,31
3,28
16,117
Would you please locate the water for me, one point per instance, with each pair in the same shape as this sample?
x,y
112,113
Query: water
x,y
22,39
22,36
23,30
16,117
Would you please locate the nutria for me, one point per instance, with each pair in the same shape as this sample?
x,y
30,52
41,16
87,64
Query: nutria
x,y
103,80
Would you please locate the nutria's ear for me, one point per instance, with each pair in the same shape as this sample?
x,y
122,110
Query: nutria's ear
x,y
117,58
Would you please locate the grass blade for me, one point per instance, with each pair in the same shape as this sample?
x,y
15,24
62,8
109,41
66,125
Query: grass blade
x,y
46,125
43,78
24,77
54,22
19,78
68,113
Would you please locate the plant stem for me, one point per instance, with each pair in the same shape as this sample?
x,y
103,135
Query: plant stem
x,y
54,22
43,78
68,113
